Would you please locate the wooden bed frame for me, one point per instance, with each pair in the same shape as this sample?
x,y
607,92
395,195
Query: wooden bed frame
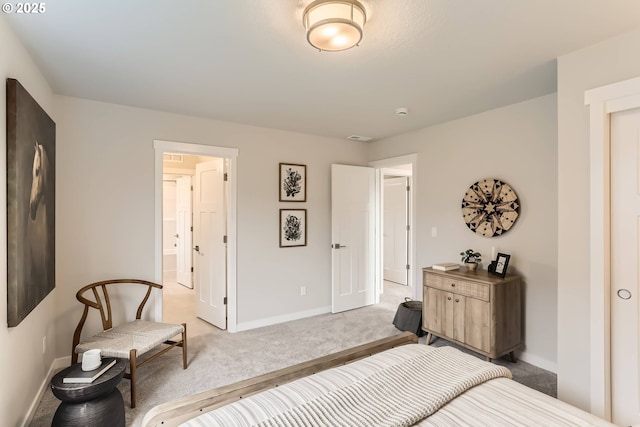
x,y
178,411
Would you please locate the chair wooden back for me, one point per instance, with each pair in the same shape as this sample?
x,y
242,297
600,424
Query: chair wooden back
x,y
102,303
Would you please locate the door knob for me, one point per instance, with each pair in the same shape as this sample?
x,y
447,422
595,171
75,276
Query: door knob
x,y
624,294
338,246
197,248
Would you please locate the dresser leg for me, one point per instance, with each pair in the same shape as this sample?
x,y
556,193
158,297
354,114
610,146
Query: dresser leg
x,y
512,357
487,358
429,335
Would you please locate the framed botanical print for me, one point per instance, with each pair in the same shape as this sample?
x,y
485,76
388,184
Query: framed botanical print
x,y
293,182
293,227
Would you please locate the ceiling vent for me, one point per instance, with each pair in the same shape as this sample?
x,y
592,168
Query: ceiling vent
x,y
359,138
173,158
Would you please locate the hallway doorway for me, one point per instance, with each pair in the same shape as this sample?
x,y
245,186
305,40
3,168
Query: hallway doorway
x,y
396,224
394,231
195,282
189,292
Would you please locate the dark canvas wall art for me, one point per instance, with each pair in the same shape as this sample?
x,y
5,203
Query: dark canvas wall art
x,y
31,149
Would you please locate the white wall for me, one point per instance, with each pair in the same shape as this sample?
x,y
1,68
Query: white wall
x,y
23,367
106,226
607,62
517,144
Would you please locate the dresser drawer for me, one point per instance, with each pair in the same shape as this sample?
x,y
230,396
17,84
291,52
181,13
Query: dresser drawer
x,y
458,286
438,282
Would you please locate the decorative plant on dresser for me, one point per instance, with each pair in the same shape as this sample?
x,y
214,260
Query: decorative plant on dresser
x,y
471,259
474,309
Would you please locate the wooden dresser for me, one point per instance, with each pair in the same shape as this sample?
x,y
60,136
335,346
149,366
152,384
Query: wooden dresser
x,y
475,309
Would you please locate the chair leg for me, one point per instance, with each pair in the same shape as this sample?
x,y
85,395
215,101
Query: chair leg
x,y
184,346
132,370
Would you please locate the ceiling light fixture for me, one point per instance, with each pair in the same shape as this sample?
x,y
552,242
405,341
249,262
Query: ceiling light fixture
x,y
334,25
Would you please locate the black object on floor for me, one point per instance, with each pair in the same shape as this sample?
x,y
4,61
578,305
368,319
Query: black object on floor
x,y
409,317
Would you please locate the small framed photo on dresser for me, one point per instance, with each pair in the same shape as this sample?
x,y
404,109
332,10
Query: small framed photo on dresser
x,y
502,261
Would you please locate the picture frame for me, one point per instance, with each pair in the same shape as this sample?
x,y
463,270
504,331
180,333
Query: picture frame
x,y
292,182
501,264
31,203
293,228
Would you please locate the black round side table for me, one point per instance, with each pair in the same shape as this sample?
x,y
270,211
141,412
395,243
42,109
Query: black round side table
x,y
98,403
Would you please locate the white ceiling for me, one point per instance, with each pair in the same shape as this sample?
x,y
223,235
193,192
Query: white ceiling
x,y
248,61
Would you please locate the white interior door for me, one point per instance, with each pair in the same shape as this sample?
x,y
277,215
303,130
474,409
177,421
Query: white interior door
x,y
209,228
395,233
169,231
625,285
352,228
183,232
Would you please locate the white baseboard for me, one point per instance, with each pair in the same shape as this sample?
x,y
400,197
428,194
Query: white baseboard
x,y
245,326
540,362
56,365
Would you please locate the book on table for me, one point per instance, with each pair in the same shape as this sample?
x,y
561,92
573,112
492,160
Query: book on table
x,y
446,266
78,376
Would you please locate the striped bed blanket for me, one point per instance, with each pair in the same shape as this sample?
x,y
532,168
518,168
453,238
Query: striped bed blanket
x,y
397,388
399,395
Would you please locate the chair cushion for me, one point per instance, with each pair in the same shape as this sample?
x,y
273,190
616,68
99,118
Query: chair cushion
x,y
141,335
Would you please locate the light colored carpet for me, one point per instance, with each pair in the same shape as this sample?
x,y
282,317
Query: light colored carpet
x,y
218,358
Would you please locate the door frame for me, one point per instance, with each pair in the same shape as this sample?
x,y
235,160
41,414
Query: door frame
x,y
231,155
602,102
414,272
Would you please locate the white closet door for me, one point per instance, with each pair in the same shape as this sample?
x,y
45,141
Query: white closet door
x,y
625,284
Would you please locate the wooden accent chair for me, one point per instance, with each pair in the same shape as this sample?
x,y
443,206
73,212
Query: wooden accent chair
x,y
130,340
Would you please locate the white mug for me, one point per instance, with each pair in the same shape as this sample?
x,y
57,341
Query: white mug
x,y
91,359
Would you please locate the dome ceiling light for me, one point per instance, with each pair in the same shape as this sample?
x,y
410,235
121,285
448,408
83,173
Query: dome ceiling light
x,y
334,25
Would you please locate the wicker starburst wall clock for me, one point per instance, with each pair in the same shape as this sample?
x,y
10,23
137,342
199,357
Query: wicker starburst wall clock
x,y
490,207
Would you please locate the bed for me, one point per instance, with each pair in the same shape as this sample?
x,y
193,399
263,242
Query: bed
x,y
390,382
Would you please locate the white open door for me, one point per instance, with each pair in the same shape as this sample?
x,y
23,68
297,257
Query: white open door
x,y
352,228
209,228
183,232
395,238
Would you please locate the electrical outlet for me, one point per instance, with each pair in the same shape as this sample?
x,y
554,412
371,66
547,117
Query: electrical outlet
x,y
434,232
303,290
44,344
